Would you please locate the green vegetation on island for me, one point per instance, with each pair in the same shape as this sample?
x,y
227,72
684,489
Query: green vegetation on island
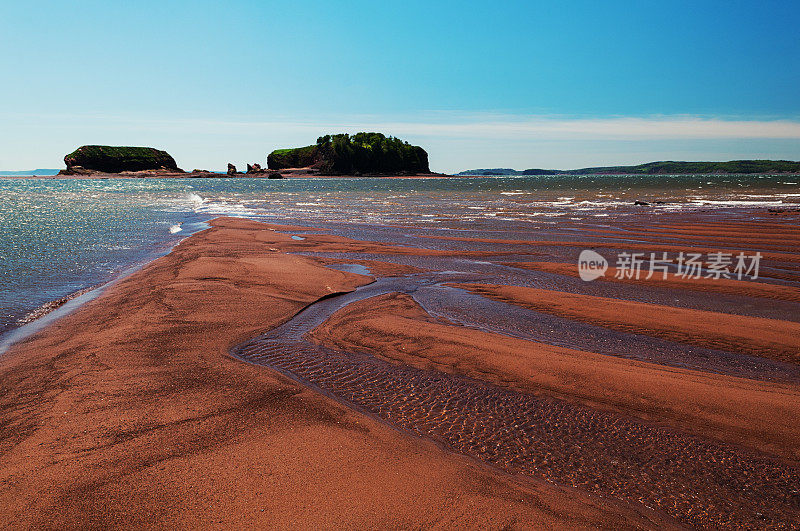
x,y
301,157
359,154
660,168
116,159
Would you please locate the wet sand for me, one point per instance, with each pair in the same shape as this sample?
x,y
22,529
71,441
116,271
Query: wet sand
x,y
652,245
471,384
671,280
769,338
129,412
713,446
700,482
747,412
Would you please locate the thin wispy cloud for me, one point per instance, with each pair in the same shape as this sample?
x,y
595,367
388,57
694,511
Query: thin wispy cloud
x,y
516,127
607,128
476,126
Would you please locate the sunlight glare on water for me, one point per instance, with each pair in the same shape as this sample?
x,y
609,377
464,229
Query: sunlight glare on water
x,y
58,236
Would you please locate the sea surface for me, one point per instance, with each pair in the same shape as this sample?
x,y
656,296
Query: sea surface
x,y
60,236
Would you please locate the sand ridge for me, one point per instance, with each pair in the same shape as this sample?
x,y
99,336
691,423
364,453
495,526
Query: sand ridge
x,y
747,412
757,336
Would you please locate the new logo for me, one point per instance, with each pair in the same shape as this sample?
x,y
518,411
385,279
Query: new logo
x,y
591,265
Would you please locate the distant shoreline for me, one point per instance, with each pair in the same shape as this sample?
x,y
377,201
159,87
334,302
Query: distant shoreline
x,y
668,167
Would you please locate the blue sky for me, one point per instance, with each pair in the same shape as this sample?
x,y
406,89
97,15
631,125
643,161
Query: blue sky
x,y
479,84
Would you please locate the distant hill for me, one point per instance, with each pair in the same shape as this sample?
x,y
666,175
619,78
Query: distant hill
x,y
359,154
659,168
492,171
38,171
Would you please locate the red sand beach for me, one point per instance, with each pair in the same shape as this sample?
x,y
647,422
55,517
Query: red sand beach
x,y
130,411
390,410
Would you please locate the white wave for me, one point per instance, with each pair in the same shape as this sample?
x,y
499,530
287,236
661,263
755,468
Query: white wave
x,y
546,214
548,204
223,208
602,204
735,203
174,229
195,199
772,197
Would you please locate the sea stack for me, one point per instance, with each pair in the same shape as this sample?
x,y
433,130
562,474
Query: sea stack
x,y
117,159
359,154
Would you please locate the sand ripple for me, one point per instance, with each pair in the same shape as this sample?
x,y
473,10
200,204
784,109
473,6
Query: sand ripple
x,y
697,481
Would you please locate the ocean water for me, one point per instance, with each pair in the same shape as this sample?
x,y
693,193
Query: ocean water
x,y
59,236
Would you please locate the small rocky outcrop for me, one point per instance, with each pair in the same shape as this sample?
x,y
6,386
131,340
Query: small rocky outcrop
x,y
117,159
255,168
275,175
231,169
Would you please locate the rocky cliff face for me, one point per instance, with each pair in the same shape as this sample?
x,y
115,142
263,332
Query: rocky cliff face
x,y
117,159
302,157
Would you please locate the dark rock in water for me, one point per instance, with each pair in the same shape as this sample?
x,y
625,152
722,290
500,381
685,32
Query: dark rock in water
x,y
255,168
231,169
117,159
641,203
275,175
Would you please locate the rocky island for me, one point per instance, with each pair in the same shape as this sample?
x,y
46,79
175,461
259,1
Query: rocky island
x,y
92,159
359,154
362,154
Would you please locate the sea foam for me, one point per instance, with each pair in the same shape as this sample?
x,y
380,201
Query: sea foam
x,y
195,199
